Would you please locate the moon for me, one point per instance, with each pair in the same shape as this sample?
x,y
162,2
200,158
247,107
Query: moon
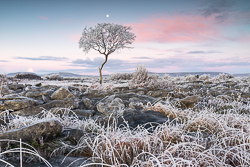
x,y
107,15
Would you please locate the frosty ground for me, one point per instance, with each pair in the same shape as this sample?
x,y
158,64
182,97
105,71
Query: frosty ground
x,y
205,120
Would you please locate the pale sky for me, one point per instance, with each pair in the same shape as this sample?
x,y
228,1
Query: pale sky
x,y
41,36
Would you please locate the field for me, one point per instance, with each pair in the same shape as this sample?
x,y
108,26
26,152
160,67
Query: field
x,y
212,130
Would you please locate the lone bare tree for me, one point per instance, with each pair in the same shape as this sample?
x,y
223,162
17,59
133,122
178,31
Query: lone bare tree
x,y
106,38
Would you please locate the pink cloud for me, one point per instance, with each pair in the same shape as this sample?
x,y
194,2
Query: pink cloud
x,y
174,29
44,18
76,37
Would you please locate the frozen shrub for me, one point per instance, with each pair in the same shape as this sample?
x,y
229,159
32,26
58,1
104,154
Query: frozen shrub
x,y
141,78
205,77
55,77
223,77
120,76
167,77
190,78
103,87
141,75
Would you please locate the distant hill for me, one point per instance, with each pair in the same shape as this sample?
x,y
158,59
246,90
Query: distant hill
x,y
177,74
242,75
67,74
15,73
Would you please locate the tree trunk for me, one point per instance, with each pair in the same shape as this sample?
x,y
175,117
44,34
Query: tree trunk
x,y
100,69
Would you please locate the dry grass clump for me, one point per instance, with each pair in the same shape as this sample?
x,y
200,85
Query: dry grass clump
x,y
167,77
169,110
222,77
191,78
103,86
141,78
120,76
205,77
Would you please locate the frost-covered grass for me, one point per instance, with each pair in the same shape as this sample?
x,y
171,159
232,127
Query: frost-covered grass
x,y
204,138
216,132
199,138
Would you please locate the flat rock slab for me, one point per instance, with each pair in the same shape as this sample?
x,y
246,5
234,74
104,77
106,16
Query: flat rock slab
x,y
136,117
48,129
189,101
33,110
61,94
18,104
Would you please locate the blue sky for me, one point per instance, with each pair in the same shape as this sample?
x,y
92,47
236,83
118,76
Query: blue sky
x,y
41,36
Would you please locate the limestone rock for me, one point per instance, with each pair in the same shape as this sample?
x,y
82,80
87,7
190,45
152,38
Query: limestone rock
x,y
61,94
4,90
35,94
33,110
74,135
137,106
189,101
84,113
12,97
15,86
48,129
18,104
112,105
87,103
158,93
140,117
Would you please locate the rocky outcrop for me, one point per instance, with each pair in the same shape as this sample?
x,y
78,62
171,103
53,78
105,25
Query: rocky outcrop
x,y
33,110
18,104
136,118
111,105
15,86
4,90
61,94
48,130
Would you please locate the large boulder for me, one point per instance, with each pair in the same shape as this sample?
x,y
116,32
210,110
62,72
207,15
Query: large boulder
x,y
15,86
111,105
18,104
61,94
136,118
48,129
